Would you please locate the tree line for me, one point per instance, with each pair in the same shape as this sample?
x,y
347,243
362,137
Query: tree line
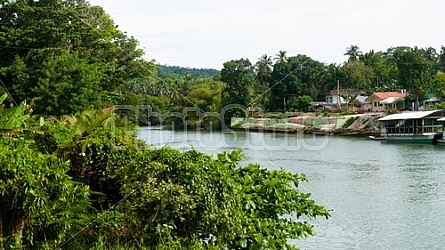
x,y
70,56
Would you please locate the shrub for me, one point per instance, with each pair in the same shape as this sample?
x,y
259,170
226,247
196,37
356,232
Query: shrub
x,y
39,201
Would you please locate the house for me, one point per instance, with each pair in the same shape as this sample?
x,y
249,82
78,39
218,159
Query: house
x,y
381,101
362,104
429,100
334,98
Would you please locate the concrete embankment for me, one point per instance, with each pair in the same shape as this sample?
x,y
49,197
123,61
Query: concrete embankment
x,y
357,125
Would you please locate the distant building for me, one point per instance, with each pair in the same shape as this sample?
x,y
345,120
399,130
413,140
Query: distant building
x,y
429,100
381,101
334,97
362,104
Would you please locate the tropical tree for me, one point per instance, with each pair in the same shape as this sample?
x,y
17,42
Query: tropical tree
x,y
350,99
302,103
439,84
206,96
310,74
263,70
415,70
441,59
67,84
74,48
281,56
353,52
384,74
238,76
357,75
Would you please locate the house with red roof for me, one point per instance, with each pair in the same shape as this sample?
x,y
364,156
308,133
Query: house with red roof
x,y
381,101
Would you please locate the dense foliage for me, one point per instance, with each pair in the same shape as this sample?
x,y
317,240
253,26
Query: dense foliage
x,y
69,56
85,182
73,175
165,71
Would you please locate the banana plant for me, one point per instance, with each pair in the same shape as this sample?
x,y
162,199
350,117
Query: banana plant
x,y
15,121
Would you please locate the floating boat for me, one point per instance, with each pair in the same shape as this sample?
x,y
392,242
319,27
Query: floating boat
x,y
377,138
413,127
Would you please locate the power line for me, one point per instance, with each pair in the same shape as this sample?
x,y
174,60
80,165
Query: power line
x,y
7,91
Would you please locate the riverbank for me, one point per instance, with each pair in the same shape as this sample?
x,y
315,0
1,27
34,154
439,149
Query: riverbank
x,y
309,123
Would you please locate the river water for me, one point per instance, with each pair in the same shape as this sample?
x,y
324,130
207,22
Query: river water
x,y
382,195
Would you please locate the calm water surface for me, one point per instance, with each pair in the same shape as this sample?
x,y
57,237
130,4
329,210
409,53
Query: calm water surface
x,y
383,196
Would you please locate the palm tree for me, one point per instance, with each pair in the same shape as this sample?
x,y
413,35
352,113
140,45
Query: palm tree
x,y
138,86
263,70
353,52
431,54
281,56
175,96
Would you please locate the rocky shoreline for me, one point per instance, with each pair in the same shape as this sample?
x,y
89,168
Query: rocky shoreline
x,y
349,125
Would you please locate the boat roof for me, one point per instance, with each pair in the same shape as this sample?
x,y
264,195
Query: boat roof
x,y
408,115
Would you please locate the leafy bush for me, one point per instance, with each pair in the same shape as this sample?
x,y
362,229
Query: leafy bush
x,y
145,198
39,201
270,199
302,103
94,158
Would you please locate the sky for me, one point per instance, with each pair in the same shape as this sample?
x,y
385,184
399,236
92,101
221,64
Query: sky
x,y
207,33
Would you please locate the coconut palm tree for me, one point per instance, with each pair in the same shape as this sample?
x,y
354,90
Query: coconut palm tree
x,y
281,56
138,86
263,70
353,52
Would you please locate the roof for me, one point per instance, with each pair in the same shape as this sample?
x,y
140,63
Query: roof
x,y
361,99
391,99
441,119
384,95
408,115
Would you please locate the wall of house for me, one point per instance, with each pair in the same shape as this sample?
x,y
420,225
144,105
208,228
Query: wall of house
x,y
375,104
334,99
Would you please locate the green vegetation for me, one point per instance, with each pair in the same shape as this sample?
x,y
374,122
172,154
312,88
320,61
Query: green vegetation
x,y
73,175
302,103
350,121
85,182
165,71
74,58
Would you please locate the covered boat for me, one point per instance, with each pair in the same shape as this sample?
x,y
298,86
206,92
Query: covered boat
x,y
412,127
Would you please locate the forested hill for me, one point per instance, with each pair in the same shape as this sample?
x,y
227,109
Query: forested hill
x,y
165,70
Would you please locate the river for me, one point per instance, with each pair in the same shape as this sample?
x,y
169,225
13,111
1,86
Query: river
x,y
382,195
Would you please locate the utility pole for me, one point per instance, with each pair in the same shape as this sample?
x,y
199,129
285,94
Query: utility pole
x,y
338,93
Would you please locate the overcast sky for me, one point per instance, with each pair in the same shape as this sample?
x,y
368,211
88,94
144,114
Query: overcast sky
x,y
207,33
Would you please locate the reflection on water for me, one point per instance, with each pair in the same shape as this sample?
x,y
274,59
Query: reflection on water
x,y
383,196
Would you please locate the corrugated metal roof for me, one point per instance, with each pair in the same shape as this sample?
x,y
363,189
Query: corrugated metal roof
x,y
384,95
389,100
408,115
